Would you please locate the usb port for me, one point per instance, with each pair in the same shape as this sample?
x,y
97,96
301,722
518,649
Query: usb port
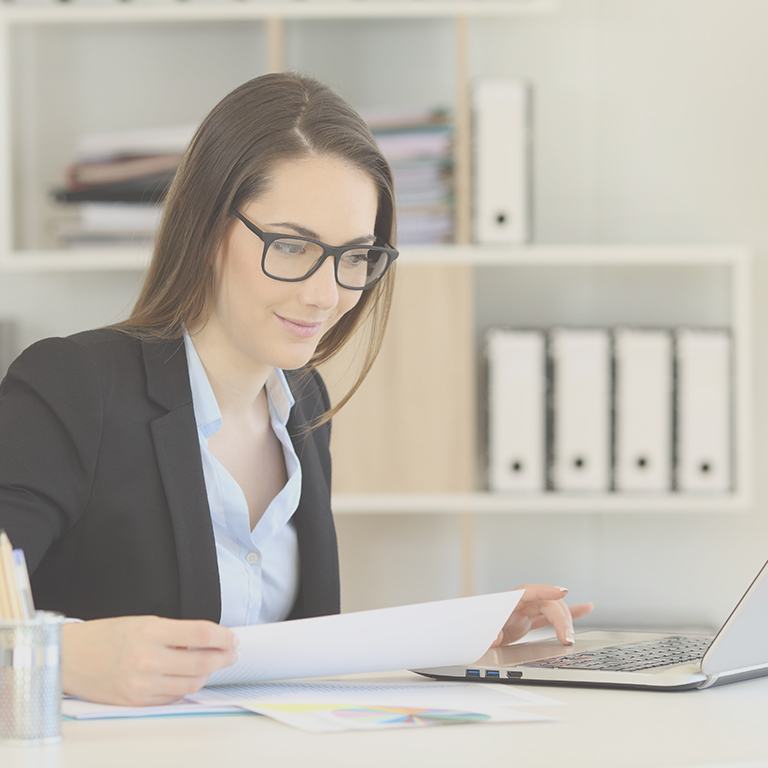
x,y
473,673
491,672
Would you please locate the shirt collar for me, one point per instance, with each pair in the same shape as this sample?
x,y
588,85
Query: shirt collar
x,y
207,414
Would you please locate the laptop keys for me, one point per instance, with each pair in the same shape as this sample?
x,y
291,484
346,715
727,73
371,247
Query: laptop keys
x,y
632,658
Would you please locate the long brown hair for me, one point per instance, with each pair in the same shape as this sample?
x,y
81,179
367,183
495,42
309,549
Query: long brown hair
x,y
264,121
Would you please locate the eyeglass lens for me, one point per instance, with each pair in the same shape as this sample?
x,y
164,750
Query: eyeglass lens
x,y
288,259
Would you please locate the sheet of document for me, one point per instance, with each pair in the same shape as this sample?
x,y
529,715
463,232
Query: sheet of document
x,y
323,696
322,706
319,718
442,694
433,634
78,709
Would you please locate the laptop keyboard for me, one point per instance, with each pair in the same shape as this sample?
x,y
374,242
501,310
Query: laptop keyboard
x,y
632,658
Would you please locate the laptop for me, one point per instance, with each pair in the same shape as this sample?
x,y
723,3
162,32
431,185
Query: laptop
x,y
652,660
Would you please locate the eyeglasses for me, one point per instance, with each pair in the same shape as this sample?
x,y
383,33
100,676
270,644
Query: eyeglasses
x,y
293,258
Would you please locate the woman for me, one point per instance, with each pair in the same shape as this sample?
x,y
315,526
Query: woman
x,y
170,476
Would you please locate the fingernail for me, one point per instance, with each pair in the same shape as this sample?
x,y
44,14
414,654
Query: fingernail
x,y
569,637
563,589
235,641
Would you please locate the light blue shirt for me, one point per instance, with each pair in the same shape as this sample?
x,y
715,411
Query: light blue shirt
x,y
259,568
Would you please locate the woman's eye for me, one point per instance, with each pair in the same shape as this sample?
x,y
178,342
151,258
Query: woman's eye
x,y
289,247
356,258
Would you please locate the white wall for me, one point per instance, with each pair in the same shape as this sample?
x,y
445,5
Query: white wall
x,y
651,126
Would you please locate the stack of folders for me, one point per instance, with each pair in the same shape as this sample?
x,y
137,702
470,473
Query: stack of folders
x,y
113,190
629,410
418,143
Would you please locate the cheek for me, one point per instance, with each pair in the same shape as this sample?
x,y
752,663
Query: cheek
x,y
243,287
348,301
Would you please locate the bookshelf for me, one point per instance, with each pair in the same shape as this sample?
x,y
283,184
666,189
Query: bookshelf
x,y
47,79
44,51
650,286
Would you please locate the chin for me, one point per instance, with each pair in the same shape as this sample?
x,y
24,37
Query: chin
x,y
291,362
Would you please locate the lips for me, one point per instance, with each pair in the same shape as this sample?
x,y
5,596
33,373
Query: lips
x,y
300,328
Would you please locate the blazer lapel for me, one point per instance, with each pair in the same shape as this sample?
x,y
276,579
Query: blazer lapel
x,y
318,549
178,458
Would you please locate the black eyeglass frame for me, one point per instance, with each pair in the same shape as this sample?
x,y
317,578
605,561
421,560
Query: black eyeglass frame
x,y
328,250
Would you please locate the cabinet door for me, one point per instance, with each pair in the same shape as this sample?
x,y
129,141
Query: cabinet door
x,y
410,427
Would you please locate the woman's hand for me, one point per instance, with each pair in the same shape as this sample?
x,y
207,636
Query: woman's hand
x,y
540,606
141,660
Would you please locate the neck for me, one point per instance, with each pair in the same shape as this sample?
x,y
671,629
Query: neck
x,y
237,380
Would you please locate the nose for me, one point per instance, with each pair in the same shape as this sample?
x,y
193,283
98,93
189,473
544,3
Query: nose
x,y
321,289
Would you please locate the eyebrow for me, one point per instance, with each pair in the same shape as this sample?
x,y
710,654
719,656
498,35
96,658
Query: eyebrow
x,y
304,232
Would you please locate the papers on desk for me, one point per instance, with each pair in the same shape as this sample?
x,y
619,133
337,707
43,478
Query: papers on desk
x,y
455,631
332,718
353,705
428,634
77,709
322,706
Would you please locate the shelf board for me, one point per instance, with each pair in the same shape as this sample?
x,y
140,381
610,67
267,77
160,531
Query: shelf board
x,y
600,254
238,10
76,260
561,503
478,255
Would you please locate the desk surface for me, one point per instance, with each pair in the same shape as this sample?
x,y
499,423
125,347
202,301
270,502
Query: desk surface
x,y
616,728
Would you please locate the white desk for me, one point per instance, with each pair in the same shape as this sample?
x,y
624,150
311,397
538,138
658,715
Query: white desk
x,y
722,726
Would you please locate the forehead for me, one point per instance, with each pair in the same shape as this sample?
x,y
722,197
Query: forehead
x,y
324,194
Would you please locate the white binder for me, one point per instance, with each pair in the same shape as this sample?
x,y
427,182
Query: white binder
x,y
502,172
643,399
516,410
703,410
581,409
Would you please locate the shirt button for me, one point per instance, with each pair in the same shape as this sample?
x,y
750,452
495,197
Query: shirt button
x,y
252,558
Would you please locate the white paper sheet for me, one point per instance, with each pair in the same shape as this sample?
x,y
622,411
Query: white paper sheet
x,y
319,718
79,709
442,694
322,706
433,634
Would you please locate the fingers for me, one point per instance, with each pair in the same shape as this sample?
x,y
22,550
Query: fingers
x,y
578,611
544,605
542,592
193,648
142,659
193,662
196,634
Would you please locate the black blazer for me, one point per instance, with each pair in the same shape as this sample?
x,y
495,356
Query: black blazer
x,y
101,481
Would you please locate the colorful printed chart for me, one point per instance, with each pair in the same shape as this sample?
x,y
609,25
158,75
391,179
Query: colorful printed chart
x,y
402,716
325,718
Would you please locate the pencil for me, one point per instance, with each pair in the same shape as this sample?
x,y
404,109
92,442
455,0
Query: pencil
x,y
5,601
13,603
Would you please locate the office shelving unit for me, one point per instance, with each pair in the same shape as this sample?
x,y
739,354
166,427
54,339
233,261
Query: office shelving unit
x,y
656,273
40,46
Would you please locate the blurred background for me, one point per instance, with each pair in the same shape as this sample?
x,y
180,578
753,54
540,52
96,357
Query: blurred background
x,y
649,127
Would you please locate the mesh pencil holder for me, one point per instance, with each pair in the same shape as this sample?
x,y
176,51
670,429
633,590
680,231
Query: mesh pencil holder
x,y
30,679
